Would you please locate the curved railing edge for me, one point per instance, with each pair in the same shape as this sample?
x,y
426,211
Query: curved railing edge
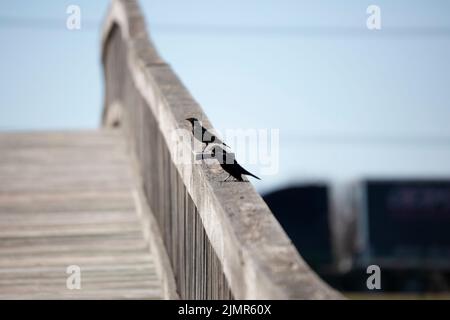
x,y
258,259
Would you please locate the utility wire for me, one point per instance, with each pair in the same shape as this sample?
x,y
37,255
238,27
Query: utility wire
x,y
236,30
44,23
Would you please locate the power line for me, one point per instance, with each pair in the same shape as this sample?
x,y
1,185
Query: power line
x,y
357,138
44,23
274,30
237,30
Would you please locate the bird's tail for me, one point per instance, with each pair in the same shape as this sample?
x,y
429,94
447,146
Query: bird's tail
x,y
250,174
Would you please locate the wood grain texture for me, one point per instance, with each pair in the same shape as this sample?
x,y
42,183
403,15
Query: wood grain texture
x,y
68,198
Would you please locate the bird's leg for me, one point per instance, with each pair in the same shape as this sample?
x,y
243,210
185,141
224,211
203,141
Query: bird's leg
x,y
227,178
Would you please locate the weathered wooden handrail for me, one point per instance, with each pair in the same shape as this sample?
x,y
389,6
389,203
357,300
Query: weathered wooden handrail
x,y
221,239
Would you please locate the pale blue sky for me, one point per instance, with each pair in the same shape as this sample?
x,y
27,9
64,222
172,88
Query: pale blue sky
x,y
349,102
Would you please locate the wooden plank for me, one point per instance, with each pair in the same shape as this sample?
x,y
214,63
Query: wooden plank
x,y
55,271
65,201
12,231
73,259
75,246
55,185
51,156
61,169
72,218
114,294
83,138
70,241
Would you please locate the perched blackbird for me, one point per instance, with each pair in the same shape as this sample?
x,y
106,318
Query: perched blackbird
x,y
230,165
206,136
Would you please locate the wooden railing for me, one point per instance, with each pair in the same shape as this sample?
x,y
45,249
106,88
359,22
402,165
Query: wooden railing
x,y
221,239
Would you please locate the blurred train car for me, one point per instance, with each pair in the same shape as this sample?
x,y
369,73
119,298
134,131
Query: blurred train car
x,y
303,212
403,226
404,223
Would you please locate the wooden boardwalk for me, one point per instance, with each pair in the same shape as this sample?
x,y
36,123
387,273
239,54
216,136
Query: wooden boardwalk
x,y
129,208
69,198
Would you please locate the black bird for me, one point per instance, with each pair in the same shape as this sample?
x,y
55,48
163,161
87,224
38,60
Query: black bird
x,y
206,136
230,165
